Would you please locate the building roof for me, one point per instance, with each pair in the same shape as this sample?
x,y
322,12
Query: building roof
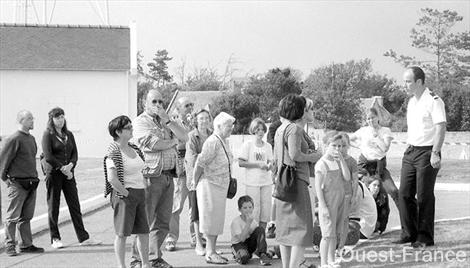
x,y
64,47
200,99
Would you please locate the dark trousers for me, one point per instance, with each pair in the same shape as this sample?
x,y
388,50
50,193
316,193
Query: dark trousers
x,y
380,167
20,211
56,182
256,243
418,178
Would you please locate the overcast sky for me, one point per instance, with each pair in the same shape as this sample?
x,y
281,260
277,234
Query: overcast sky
x,y
259,34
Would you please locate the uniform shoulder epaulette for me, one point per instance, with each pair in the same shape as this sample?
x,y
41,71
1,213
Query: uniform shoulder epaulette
x,y
433,95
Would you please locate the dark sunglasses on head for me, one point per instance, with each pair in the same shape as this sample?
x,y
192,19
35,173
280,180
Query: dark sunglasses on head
x,y
157,101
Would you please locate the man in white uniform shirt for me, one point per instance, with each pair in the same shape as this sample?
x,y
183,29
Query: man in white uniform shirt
x,y
426,120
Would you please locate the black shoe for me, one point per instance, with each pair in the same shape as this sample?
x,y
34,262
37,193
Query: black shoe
x,y
136,264
31,249
403,241
11,251
421,245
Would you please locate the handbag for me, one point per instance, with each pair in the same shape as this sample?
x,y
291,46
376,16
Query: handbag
x,y
232,185
285,187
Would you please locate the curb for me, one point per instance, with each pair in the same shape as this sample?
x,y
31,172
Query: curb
x,y
39,224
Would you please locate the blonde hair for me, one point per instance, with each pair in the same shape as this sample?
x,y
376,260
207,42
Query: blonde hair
x,y
255,123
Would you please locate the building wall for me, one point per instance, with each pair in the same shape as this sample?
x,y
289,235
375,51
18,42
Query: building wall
x,y
90,100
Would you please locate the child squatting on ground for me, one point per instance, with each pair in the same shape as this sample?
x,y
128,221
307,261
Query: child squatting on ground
x,y
330,172
247,236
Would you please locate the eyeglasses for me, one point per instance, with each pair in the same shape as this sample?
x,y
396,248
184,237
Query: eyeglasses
x,y
189,105
128,127
157,101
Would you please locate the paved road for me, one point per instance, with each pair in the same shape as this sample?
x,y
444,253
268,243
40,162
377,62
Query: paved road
x,y
99,224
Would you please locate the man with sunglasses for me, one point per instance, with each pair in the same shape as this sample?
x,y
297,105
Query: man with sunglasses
x,y
157,136
183,116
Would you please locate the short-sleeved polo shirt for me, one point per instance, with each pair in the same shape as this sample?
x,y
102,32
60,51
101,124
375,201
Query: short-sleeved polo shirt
x,y
422,117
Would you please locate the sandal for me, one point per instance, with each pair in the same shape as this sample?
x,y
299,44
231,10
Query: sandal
x,y
216,259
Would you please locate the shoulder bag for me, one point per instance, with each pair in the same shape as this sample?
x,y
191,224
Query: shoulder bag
x,y
232,186
285,184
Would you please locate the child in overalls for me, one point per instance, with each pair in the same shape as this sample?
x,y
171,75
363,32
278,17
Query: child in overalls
x,y
350,189
330,172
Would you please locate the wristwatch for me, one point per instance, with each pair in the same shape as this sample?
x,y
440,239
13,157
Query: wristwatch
x,y
436,152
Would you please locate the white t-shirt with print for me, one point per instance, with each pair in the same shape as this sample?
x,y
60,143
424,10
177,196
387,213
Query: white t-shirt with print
x,y
133,177
252,153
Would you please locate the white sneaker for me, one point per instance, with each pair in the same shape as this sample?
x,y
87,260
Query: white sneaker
x,y
91,242
56,243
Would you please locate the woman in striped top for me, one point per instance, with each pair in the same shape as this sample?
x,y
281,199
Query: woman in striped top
x,y
124,164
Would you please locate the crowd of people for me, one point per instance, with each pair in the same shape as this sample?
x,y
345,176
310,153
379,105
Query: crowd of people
x,y
157,161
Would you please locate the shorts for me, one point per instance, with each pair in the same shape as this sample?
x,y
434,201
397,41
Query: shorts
x,y
130,215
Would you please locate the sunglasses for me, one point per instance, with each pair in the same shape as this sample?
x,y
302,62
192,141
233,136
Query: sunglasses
x,y
157,101
189,105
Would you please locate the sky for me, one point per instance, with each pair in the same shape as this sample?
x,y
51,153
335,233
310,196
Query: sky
x,y
257,35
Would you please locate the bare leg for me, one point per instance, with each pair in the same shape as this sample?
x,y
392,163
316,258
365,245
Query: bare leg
x,y
199,243
285,254
143,248
324,245
211,244
331,250
296,256
120,250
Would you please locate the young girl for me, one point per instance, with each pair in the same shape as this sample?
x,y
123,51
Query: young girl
x,y
381,202
256,157
374,142
350,189
330,172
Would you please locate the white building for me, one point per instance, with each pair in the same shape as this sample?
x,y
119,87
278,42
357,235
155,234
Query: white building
x,y
89,71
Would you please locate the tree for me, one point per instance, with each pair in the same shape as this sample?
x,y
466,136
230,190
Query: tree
x,y
270,88
450,52
203,79
336,90
158,69
243,107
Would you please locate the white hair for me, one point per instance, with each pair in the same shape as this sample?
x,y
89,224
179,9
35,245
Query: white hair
x,y
223,118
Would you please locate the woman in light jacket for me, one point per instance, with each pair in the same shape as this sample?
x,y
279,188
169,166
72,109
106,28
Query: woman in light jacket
x,y
211,176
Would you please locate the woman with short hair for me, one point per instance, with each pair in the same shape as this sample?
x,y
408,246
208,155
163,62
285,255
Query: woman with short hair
x,y
294,225
125,182
211,176
196,139
59,162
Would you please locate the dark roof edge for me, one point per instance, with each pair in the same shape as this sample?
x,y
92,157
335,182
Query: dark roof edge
x,y
3,24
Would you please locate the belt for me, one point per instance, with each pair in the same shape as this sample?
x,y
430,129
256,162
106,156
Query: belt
x,y
420,147
170,172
